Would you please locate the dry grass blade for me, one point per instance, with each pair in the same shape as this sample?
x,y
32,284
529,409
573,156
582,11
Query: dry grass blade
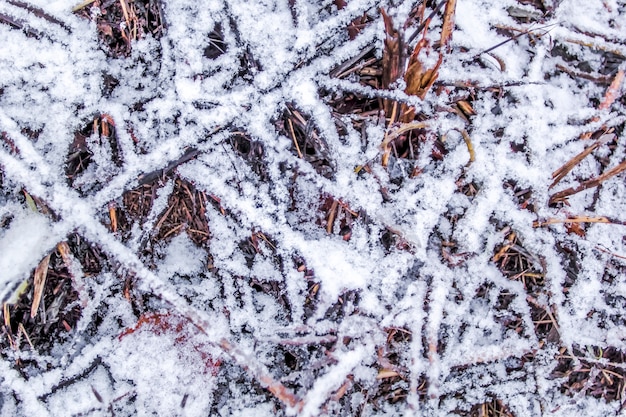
x,y
597,45
594,182
113,216
448,23
331,217
579,219
613,91
125,11
393,53
405,127
560,173
6,313
470,147
41,273
605,250
426,22
82,5
295,140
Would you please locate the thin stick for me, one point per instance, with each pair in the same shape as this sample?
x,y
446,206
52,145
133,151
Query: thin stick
x,y
82,5
40,275
426,22
402,129
293,135
579,219
126,16
448,23
560,173
594,182
331,217
470,147
612,91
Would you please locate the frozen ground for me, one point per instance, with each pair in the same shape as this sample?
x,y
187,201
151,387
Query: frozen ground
x,y
294,260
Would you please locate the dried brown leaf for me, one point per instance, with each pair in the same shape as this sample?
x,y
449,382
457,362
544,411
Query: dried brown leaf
x,y
466,108
41,273
448,23
386,373
575,228
418,79
393,53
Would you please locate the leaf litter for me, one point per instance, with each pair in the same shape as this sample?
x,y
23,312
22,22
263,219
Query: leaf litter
x,y
312,208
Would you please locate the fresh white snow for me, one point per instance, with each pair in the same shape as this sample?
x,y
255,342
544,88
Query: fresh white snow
x,y
221,342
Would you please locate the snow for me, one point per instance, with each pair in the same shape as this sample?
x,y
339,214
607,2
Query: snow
x,y
28,233
213,342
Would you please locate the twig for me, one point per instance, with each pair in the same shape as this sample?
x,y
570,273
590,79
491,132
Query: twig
x,y
189,154
426,21
295,141
39,13
82,5
579,219
331,216
560,173
522,33
594,182
613,91
601,249
470,147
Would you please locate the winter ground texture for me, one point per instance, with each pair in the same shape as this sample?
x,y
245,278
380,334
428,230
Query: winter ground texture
x,y
287,207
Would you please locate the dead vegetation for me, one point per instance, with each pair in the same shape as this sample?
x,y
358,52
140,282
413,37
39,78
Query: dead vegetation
x,y
120,23
49,304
